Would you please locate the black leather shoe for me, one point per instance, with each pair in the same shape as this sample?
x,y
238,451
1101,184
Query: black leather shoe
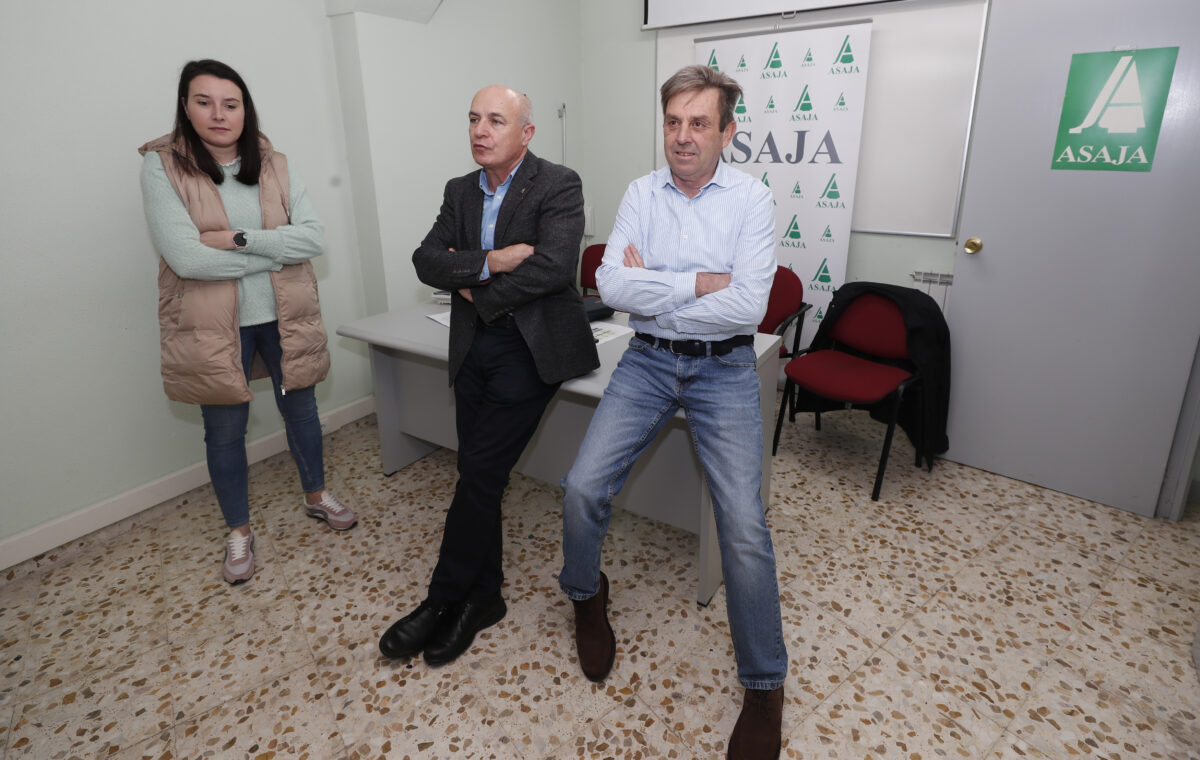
x,y
409,635
459,628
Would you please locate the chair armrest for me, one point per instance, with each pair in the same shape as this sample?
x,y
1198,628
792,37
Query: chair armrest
x,y
794,319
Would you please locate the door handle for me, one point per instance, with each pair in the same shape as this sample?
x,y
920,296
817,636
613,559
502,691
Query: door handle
x,y
973,245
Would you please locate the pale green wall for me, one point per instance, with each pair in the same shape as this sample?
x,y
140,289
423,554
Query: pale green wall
x,y
892,258
84,416
418,81
620,98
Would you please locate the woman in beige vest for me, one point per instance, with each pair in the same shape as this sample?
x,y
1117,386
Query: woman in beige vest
x,y
237,294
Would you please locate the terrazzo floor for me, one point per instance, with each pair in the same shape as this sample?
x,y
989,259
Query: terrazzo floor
x,y
964,615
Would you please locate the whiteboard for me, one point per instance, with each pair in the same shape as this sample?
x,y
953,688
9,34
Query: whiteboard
x,y
676,12
920,97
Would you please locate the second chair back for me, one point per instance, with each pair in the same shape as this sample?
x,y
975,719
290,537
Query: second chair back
x,y
873,324
589,262
785,305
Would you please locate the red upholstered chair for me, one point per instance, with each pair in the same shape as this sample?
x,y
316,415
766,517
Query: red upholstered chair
x,y
867,366
588,264
784,307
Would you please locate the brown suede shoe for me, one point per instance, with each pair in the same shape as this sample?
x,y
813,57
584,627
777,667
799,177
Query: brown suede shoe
x,y
594,638
757,733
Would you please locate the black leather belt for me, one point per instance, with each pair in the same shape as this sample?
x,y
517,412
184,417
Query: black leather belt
x,y
502,321
697,347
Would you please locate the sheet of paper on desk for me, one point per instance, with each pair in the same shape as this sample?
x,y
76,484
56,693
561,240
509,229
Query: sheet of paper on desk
x,y
605,331
442,318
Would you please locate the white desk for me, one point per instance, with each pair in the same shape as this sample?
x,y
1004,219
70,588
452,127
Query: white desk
x,y
415,408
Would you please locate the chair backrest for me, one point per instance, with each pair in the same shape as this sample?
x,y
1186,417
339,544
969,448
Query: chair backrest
x,y
873,325
787,296
588,264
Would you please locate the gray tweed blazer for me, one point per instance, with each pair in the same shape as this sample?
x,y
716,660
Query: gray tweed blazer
x,y
543,208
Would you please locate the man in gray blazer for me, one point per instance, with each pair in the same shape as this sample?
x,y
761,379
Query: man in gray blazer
x,y
506,244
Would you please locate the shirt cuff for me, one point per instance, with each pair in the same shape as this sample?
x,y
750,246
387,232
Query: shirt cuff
x,y
268,243
685,288
486,274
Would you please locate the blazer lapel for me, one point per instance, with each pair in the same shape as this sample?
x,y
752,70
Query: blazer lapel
x,y
473,218
521,185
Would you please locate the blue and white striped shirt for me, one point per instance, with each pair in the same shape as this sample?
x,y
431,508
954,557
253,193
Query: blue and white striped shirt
x,y
729,227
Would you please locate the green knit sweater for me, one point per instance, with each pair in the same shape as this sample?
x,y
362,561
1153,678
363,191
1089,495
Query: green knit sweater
x,y
178,241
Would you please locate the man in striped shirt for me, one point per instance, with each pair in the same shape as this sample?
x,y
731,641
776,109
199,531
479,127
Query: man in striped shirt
x,y
691,258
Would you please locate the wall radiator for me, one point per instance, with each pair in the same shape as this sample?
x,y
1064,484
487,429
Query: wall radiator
x,y
936,284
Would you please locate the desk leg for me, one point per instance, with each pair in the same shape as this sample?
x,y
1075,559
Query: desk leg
x,y
768,379
709,550
397,449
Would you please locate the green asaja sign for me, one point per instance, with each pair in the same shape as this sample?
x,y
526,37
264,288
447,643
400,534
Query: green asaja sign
x,y
1113,109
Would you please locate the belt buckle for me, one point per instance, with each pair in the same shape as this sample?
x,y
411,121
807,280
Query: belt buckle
x,y
690,347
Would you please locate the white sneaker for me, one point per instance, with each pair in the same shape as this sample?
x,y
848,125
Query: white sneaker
x,y
330,509
239,557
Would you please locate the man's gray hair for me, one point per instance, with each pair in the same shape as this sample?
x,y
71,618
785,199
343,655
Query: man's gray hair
x,y
526,114
699,77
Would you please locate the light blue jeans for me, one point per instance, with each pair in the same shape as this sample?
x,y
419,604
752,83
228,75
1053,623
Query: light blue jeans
x,y
719,395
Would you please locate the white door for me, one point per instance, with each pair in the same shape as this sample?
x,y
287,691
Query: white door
x,y
1075,325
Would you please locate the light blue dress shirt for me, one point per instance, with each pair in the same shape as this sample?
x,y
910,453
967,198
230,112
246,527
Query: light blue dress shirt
x,y
729,227
491,211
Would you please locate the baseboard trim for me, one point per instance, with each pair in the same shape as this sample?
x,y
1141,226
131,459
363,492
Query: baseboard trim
x,y
82,522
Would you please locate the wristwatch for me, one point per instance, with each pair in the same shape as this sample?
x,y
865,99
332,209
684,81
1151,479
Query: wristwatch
x,y
239,239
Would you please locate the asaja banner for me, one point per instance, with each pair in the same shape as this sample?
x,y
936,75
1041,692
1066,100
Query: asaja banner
x,y
1113,109
799,126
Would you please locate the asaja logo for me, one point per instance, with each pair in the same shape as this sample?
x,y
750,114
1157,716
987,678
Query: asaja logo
x,y
792,237
831,195
712,61
844,62
774,66
1118,107
739,111
742,148
840,105
770,106
822,276
742,65
808,60
1113,109
797,192
819,315
845,54
826,236
804,107
768,184
822,281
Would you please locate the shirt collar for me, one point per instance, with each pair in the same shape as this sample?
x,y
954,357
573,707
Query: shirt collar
x,y
483,183
720,178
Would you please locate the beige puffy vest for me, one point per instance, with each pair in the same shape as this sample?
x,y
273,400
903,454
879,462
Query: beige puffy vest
x,y
198,320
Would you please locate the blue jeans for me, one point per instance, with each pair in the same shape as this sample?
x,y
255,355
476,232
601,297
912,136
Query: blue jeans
x,y
225,430
719,395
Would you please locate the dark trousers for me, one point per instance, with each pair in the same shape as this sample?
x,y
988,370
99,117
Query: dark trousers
x,y
499,400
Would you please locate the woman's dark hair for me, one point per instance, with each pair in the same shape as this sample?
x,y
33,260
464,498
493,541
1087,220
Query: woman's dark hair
x,y
247,143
